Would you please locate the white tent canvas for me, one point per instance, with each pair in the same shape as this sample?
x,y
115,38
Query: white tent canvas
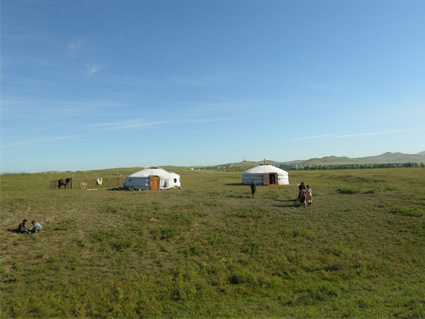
x,y
152,178
265,175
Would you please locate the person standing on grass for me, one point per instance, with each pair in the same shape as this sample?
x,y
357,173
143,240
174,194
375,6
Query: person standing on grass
x,y
300,188
22,229
37,227
309,195
253,188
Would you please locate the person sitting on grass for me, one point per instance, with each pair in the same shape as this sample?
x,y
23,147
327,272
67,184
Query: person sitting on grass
x,y
22,228
37,227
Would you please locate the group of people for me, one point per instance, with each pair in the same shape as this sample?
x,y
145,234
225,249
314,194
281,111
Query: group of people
x,y
305,195
23,229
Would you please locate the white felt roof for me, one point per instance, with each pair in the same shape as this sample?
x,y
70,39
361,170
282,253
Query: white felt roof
x,y
154,172
264,169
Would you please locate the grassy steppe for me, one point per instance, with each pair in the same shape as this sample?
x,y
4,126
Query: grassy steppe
x,y
208,250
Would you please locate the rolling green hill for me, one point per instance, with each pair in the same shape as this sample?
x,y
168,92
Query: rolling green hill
x,y
330,160
379,159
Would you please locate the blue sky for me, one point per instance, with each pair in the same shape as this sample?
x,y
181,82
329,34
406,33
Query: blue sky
x,y
89,84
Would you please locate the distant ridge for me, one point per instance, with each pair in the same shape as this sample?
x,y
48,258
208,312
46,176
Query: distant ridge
x,y
385,158
378,159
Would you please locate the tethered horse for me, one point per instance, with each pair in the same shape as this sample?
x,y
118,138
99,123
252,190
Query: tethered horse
x,y
64,182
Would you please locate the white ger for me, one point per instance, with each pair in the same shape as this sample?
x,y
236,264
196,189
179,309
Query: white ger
x,y
152,178
265,174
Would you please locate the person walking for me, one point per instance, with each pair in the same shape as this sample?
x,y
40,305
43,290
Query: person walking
x,y
253,188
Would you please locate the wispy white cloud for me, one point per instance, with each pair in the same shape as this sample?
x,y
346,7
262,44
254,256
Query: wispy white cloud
x,y
124,80
21,108
197,80
27,143
141,123
43,62
378,133
125,125
312,137
75,47
199,121
321,86
234,106
358,134
189,82
92,69
35,103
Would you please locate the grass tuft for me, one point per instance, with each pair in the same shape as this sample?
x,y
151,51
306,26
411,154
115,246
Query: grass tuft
x,y
251,246
406,211
348,190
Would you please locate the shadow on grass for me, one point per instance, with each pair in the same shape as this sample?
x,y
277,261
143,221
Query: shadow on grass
x,y
239,196
287,200
118,189
288,203
236,184
14,230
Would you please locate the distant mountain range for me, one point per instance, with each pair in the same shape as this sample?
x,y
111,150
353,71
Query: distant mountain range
x,y
378,159
328,160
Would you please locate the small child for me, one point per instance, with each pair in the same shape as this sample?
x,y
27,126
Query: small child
x,y
23,227
37,227
303,197
309,195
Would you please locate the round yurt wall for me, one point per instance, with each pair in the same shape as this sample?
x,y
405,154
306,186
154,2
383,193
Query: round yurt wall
x,y
265,175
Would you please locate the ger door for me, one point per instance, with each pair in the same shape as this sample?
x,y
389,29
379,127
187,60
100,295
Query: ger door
x,y
273,179
154,183
270,179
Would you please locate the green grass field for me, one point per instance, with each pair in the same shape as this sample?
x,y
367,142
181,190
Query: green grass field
x,y
209,250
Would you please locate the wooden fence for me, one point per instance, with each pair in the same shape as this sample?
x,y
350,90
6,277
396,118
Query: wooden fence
x,y
87,183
